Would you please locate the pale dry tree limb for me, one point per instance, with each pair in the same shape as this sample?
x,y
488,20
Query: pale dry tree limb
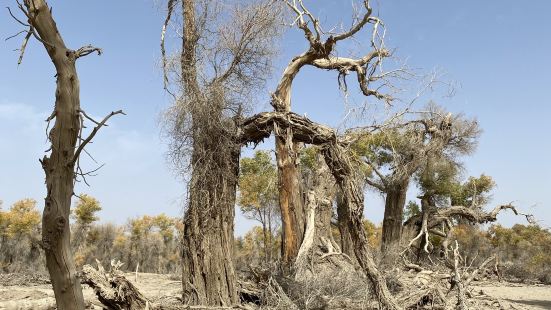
x,y
457,281
443,216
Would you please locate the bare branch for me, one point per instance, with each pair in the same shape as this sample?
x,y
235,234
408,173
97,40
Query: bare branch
x,y
314,20
89,118
357,27
15,35
170,6
23,46
478,216
93,133
16,19
87,50
374,184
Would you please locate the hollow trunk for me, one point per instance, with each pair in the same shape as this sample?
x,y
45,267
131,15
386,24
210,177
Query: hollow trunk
x,y
394,216
59,166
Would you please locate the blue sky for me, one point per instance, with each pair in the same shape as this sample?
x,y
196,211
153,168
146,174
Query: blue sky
x,y
496,50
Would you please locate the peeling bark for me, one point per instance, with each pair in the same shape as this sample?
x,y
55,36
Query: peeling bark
x,y
290,202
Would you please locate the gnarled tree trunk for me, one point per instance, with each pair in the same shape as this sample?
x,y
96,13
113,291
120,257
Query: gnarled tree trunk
x,y
287,152
344,231
353,199
319,253
259,126
208,276
290,200
59,167
394,215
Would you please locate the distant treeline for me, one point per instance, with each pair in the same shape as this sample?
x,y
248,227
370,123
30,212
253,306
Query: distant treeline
x,y
153,243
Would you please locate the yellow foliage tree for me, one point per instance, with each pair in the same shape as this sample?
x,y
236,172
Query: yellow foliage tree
x,y
22,219
85,210
258,195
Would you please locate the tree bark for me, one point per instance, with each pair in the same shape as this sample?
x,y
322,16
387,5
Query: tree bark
x,y
208,276
353,199
290,199
319,252
59,167
265,241
394,216
342,221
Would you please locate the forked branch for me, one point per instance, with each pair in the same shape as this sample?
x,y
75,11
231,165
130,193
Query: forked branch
x,y
94,132
87,50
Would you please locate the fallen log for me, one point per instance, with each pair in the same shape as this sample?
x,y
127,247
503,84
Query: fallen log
x,y
113,290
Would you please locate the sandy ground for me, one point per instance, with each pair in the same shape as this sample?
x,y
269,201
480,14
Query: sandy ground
x,y
40,296
517,296
37,294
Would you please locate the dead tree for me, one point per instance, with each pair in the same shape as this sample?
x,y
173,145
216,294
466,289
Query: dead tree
x,y
439,221
260,126
225,57
320,54
61,166
112,289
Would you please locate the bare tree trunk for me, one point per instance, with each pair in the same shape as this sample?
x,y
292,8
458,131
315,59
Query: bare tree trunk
x,y
290,200
265,239
59,167
353,199
342,218
319,253
394,216
208,276
270,240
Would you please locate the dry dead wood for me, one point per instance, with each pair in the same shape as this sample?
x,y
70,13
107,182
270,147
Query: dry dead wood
x,y
113,289
439,221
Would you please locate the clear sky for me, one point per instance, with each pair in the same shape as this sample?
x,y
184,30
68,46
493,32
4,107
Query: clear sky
x,y
498,51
